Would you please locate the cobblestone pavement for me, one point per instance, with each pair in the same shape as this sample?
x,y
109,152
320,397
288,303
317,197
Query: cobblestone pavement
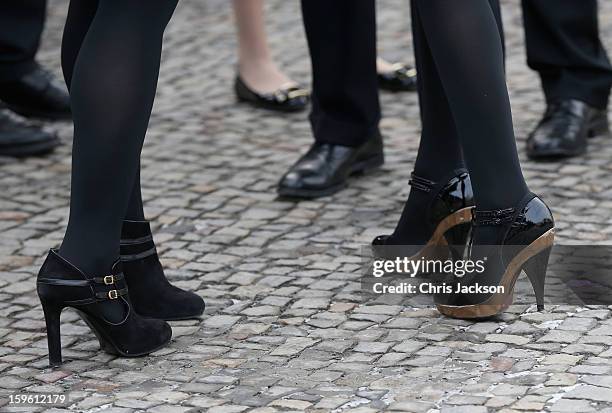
x,y
286,328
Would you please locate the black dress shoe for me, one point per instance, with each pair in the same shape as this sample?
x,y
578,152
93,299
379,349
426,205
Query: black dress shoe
x,y
19,140
151,293
564,130
402,78
36,96
290,99
325,168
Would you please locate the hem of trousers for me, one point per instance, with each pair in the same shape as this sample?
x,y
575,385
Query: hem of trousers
x,y
14,71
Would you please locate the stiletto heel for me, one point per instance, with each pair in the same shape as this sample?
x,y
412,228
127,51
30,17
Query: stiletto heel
x,y
52,320
457,237
104,305
535,268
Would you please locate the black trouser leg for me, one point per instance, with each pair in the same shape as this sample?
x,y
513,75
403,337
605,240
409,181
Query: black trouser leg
x,y
563,45
21,24
342,41
474,84
112,89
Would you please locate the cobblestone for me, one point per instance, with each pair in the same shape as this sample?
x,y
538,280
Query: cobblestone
x,y
286,328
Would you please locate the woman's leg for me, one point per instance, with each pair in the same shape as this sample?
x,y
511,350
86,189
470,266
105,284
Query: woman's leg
x,y
464,41
80,16
439,149
150,293
112,86
255,64
384,66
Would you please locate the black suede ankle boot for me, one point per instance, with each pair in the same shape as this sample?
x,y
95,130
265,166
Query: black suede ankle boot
x,y
103,303
152,294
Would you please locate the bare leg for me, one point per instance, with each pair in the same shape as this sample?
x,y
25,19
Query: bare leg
x,y
384,66
255,64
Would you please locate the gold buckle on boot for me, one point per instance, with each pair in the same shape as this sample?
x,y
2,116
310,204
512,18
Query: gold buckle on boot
x,y
109,280
113,295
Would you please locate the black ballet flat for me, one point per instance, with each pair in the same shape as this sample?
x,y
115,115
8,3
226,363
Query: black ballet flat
x,y
524,243
103,303
151,293
449,216
402,78
290,99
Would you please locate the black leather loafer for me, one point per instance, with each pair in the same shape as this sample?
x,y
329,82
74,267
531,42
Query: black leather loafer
x,y
19,140
290,99
35,95
564,130
402,78
325,168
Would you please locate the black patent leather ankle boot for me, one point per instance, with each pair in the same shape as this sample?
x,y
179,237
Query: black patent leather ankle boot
x,y
525,238
152,294
103,303
448,215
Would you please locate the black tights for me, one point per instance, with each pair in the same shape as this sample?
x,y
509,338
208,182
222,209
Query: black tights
x,y
466,114
110,56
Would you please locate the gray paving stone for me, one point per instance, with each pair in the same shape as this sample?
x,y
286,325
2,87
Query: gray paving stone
x,y
589,392
571,406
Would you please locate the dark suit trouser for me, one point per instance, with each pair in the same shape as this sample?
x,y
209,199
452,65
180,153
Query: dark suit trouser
x,y
341,37
21,24
563,45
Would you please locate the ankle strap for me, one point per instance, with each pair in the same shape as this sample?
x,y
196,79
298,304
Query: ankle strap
x,y
111,294
138,256
136,241
94,289
427,185
497,217
134,249
108,279
422,184
492,218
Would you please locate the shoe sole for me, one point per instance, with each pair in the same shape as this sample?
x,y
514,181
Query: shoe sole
x,y
109,347
598,128
36,149
498,303
191,317
29,113
187,317
261,105
358,168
